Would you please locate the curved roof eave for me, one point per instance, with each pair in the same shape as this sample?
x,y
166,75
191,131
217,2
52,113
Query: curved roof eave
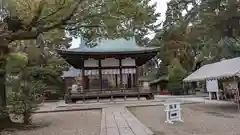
x,y
146,50
110,46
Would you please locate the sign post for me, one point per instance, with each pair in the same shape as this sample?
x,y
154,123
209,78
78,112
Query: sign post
x,y
236,97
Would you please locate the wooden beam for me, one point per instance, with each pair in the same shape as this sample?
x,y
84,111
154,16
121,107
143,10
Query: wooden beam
x,y
123,67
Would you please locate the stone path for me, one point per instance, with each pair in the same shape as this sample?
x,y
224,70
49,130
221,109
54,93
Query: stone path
x,y
119,121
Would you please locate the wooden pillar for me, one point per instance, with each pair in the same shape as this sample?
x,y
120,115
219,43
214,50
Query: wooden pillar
x,y
210,95
83,82
218,96
121,76
116,80
83,78
136,79
100,73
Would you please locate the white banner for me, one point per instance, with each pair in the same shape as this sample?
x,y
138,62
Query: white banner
x,y
212,85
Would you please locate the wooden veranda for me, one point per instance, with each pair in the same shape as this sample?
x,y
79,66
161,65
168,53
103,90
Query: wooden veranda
x,y
108,94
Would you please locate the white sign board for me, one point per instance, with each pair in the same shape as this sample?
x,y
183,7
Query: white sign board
x,y
212,85
173,112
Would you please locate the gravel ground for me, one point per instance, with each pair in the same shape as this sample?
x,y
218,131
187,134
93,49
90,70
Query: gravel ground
x,y
199,119
63,123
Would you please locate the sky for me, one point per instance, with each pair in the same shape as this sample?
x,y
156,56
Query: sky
x,y
161,8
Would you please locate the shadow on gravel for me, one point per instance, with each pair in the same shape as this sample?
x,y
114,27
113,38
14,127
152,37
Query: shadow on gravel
x,y
220,115
222,110
21,127
225,108
158,132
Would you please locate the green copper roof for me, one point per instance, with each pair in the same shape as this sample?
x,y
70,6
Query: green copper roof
x,y
120,48
116,45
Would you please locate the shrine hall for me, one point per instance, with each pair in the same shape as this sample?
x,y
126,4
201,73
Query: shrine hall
x,y
109,69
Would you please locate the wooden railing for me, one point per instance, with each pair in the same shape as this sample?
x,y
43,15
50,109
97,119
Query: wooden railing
x,y
109,93
111,90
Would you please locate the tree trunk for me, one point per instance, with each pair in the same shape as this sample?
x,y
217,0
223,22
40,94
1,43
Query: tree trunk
x,y
4,50
3,99
26,117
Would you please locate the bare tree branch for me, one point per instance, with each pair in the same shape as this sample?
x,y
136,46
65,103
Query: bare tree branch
x,y
191,14
22,35
96,15
33,33
76,24
38,13
3,27
53,12
50,14
82,26
64,19
86,17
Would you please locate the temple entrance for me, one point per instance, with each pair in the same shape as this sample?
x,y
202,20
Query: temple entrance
x,y
110,79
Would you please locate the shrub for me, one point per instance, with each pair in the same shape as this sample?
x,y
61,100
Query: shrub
x,y
21,104
23,100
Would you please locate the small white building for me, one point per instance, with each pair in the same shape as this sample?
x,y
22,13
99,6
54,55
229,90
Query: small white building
x,y
226,73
